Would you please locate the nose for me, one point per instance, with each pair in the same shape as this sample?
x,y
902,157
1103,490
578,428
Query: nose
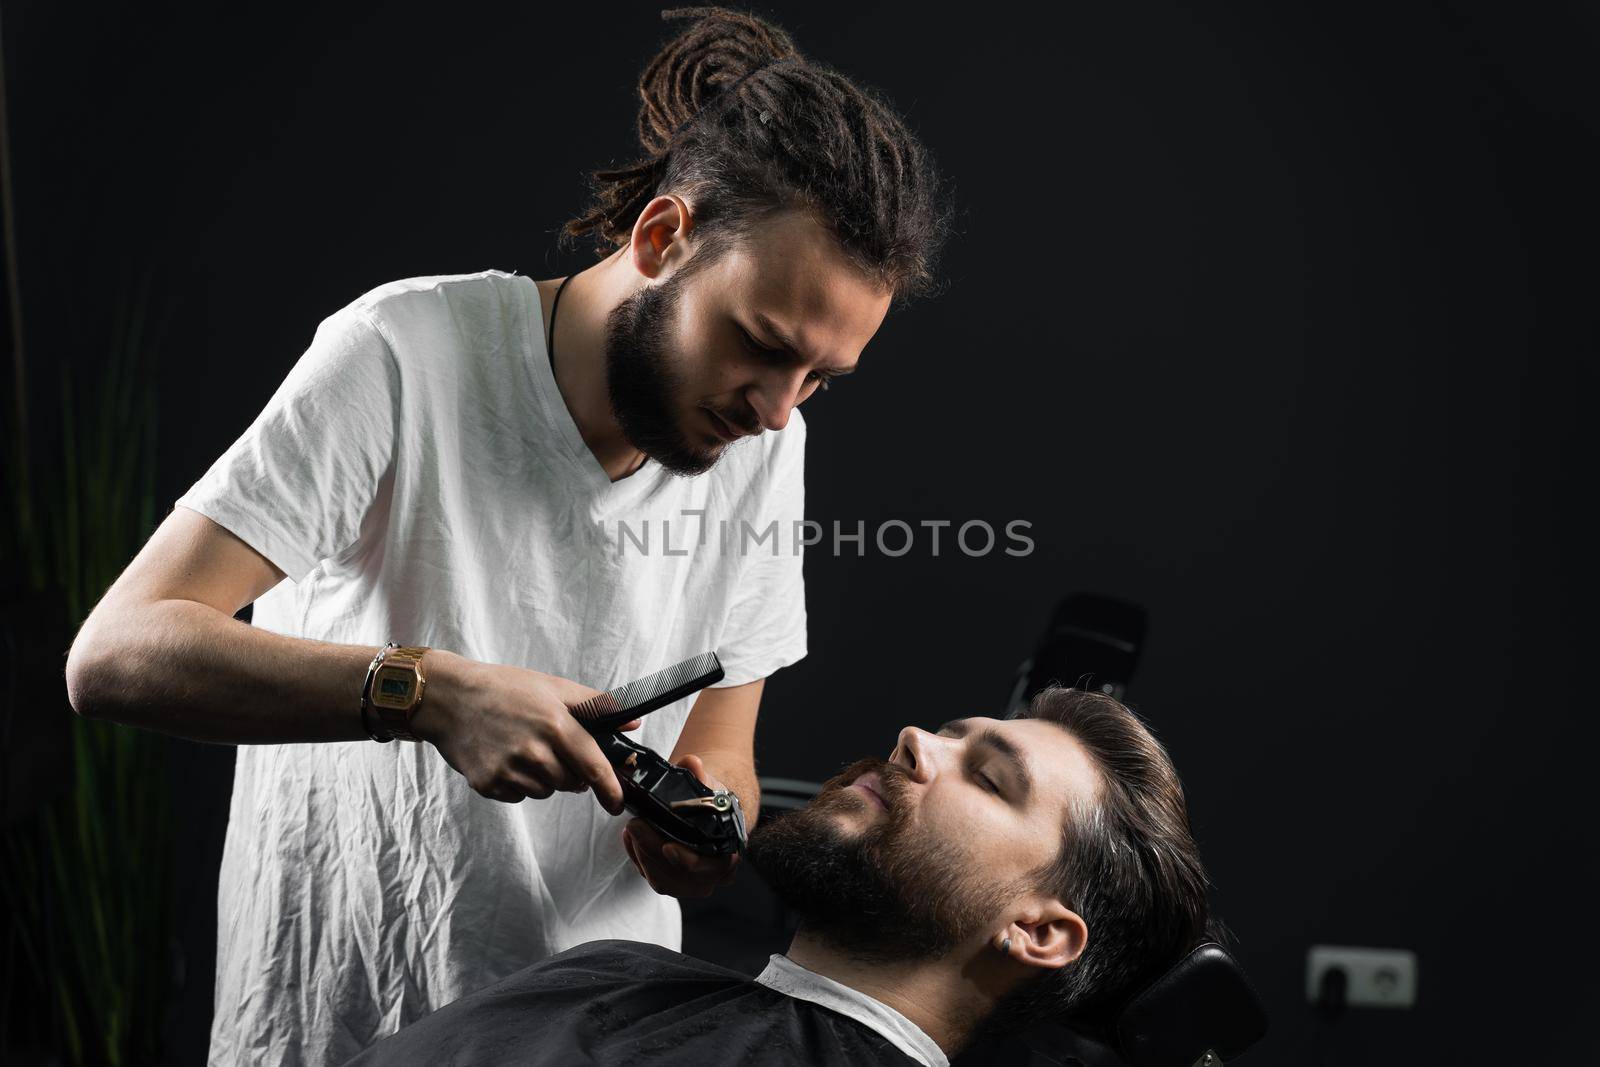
x,y
919,753
774,398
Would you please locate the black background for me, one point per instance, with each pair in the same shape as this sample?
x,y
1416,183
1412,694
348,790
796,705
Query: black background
x,y
1266,316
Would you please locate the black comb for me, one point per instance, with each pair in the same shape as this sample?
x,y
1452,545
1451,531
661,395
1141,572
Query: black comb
x,y
611,709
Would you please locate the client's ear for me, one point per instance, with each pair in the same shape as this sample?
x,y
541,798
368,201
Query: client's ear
x,y
1052,935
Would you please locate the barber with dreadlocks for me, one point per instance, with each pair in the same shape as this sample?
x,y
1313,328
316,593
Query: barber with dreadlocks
x,y
509,487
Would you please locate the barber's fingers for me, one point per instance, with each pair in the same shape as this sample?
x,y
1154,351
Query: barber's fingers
x,y
573,693
583,759
571,763
630,844
716,870
642,843
515,786
653,842
544,765
695,766
672,869
514,789
647,837
535,789
570,692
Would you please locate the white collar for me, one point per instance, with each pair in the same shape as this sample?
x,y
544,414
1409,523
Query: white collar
x,y
789,978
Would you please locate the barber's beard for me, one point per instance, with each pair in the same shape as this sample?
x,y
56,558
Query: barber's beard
x,y
642,382
890,892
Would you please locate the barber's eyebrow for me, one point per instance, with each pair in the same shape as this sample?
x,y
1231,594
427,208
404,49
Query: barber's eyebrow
x,y
1002,747
788,343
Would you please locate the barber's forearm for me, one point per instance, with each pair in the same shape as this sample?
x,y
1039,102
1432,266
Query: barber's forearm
x,y
185,668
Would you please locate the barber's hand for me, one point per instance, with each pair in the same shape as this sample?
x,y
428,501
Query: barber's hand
x,y
508,731
674,870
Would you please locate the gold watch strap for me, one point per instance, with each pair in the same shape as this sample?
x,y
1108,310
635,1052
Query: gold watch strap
x,y
398,689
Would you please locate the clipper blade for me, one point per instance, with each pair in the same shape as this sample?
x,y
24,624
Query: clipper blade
x,y
611,709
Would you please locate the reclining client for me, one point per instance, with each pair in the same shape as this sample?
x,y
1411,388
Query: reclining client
x,y
984,876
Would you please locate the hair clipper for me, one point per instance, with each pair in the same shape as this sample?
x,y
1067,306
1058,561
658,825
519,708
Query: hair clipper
x,y
668,797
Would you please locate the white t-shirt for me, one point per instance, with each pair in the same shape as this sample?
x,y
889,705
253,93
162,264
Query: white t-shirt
x,y
418,477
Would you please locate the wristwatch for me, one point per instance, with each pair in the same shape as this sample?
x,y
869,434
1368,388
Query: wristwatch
x,y
394,692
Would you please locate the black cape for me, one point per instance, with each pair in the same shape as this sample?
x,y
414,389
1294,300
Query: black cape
x,y
622,1003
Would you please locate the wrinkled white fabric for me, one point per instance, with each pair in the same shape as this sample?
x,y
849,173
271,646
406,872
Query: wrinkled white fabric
x,y
418,477
802,983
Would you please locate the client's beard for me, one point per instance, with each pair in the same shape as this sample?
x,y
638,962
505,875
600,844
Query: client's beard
x,y
641,382
889,892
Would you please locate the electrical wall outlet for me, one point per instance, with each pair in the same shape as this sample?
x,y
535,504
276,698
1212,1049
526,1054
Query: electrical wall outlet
x,y
1374,977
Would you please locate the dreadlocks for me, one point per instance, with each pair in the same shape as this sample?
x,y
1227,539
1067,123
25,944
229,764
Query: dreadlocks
x,y
741,125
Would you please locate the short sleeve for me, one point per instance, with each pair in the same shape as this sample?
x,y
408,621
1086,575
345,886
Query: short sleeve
x,y
299,483
766,628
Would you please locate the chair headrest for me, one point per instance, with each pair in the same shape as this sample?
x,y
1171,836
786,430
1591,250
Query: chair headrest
x,y
1204,1003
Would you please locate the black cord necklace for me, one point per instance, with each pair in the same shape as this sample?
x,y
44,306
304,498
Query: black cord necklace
x,y
551,348
553,306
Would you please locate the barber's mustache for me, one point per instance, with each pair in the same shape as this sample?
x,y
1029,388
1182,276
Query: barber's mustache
x,y
746,422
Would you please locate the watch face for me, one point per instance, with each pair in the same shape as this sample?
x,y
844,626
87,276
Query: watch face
x,y
392,688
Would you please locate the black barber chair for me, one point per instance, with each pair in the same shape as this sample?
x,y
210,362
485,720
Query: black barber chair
x,y
1201,1013
1090,642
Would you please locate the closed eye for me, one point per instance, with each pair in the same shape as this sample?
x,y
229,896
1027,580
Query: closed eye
x,y
761,351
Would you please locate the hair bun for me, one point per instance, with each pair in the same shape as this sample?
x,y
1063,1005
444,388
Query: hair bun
x,y
717,49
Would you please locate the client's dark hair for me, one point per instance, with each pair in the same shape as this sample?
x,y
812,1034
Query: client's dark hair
x,y
1128,865
742,126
